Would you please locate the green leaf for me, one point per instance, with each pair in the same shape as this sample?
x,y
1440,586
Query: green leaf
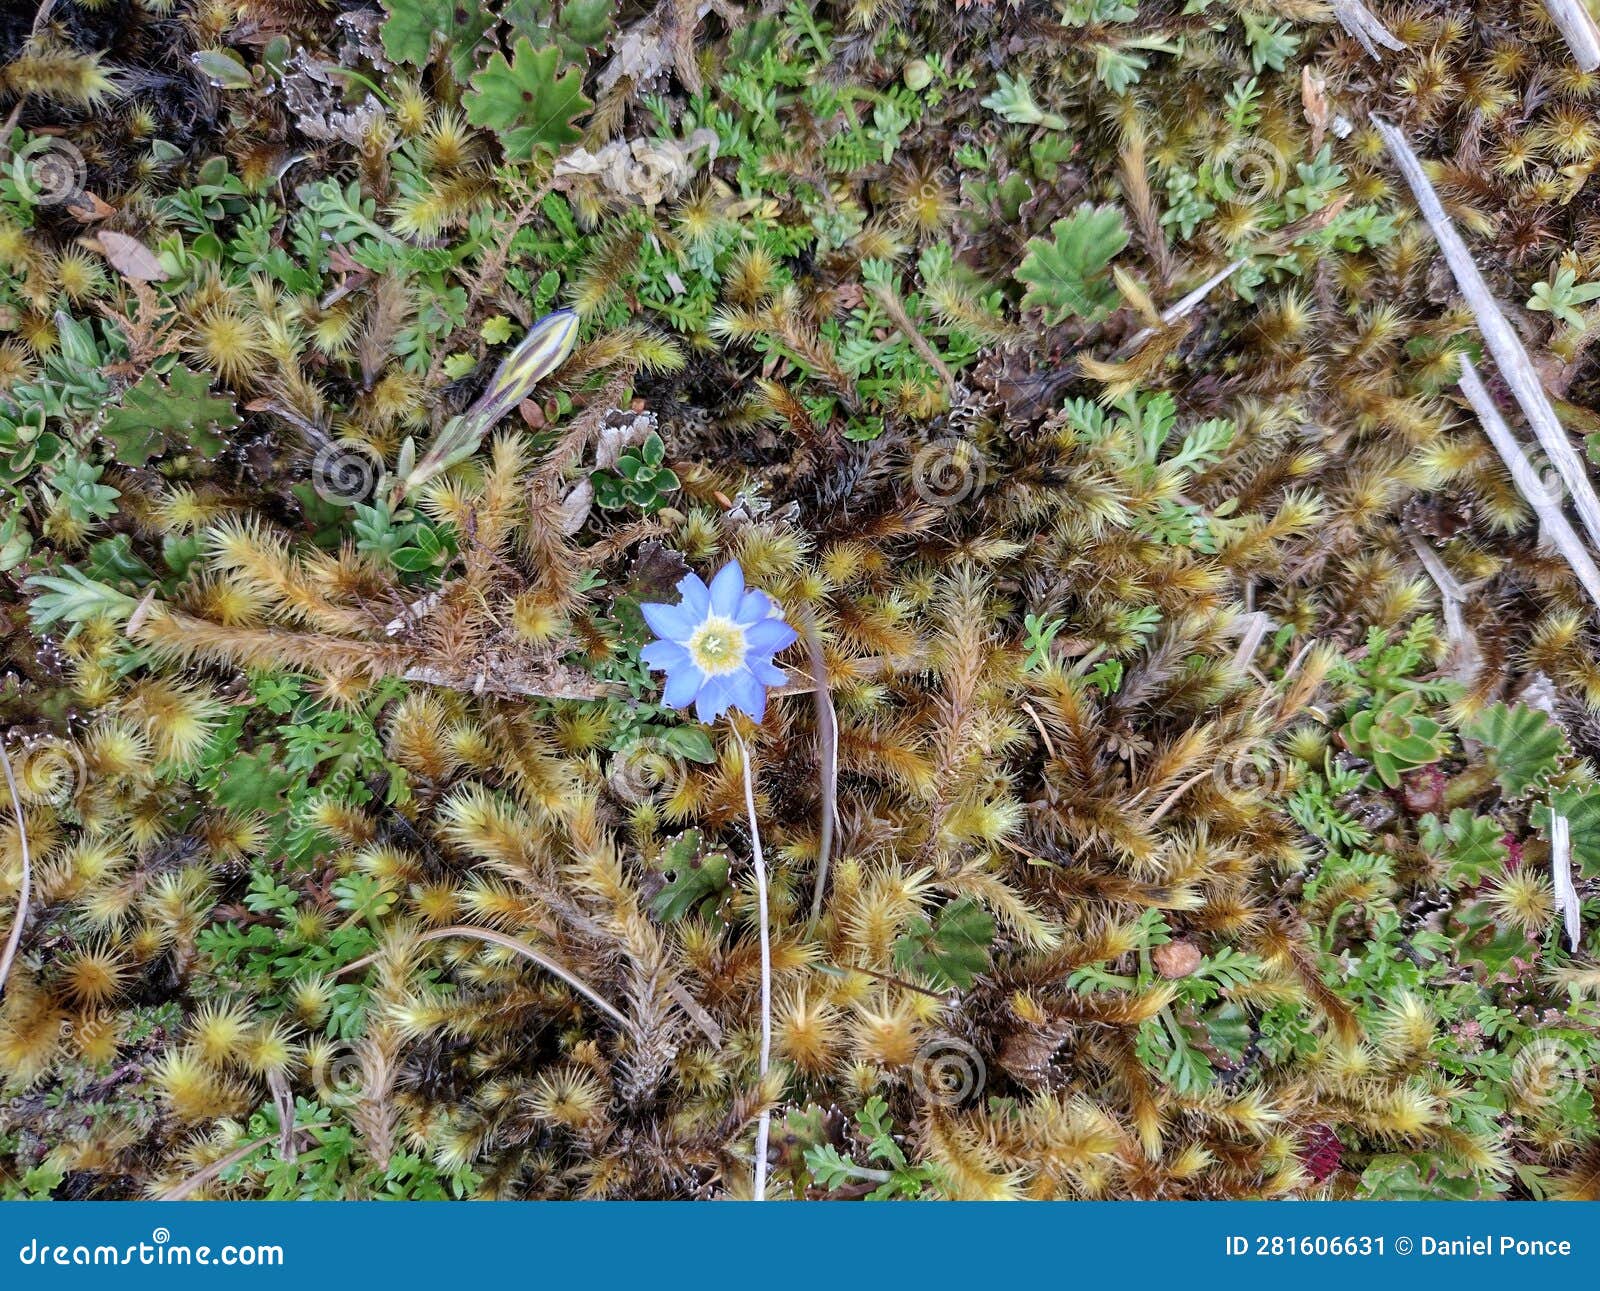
x,y
413,27
1525,746
527,102
581,26
1068,274
1470,845
222,67
692,742
1581,807
691,883
75,599
153,410
953,953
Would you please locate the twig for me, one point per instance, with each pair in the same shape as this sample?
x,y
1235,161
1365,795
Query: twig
x,y
1171,799
764,1121
828,757
207,1173
25,891
840,970
1553,522
1579,30
1561,877
1184,307
890,300
510,943
1451,593
1502,339
1365,26
1256,625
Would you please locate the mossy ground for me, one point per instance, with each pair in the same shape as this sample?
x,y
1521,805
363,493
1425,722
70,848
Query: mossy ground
x,y
1169,798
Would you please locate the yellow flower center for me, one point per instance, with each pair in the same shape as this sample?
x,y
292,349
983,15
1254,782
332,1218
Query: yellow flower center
x,y
717,646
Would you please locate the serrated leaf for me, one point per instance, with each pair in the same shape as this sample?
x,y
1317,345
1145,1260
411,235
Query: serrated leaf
x,y
690,881
1470,845
529,102
414,26
154,411
1525,746
1068,274
954,952
581,26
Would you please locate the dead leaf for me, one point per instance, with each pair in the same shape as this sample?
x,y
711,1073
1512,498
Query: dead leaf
x,y
1314,99
130,257
575,507
1176,958
86,208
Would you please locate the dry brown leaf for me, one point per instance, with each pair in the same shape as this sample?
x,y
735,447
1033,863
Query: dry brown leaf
x,y
130,257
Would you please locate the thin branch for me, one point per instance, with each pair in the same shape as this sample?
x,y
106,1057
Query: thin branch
x,y
509,943
1184,307
1171,799
764,1121
828,760
25,891
1578,29
1552,520
1502,339
1561,877
890,300
1365,26
207,1173
1451,593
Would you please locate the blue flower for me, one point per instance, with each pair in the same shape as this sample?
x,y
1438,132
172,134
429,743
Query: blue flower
x,y
716,645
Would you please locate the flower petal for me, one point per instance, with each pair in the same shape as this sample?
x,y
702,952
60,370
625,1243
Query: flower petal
x,y
748,695
770,636
696,595
766,674
683,684
670,622
665,656
755,606
727,589
712,701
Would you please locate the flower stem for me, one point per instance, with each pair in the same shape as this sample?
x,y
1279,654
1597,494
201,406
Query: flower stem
x,y
23,892
764,1121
